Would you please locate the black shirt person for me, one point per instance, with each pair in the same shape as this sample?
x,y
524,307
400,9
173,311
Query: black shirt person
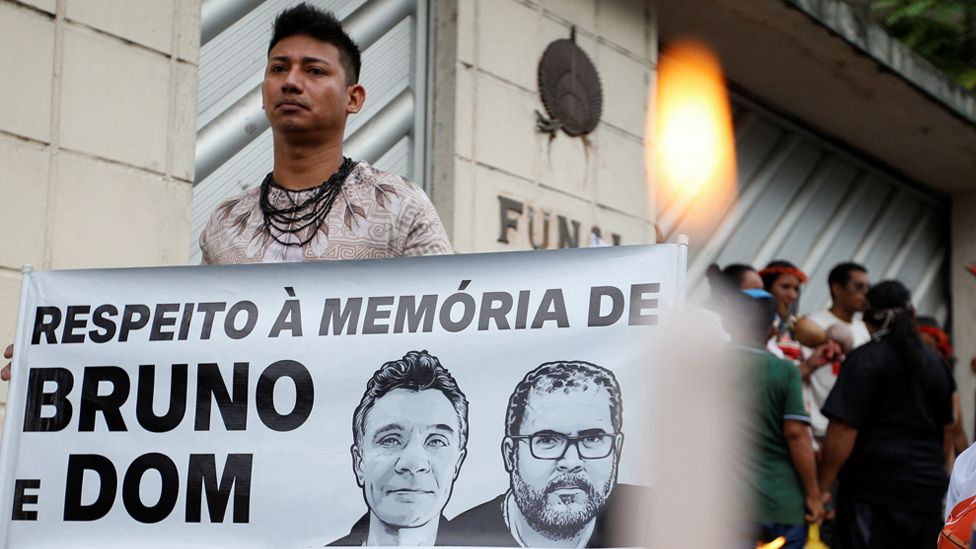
x,y
889,413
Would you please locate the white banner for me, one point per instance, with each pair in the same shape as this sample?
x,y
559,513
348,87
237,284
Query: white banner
x,y
489,399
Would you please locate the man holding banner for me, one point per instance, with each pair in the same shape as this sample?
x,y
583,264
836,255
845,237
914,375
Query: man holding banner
x,y
410,431
317,204
561,450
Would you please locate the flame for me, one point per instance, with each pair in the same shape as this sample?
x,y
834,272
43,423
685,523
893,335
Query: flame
x,y
693,148
775,544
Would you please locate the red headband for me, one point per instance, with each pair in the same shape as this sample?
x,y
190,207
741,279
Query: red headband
x,y
941,338
785,271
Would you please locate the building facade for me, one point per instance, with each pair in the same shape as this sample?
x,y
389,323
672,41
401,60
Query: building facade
x,y
97,135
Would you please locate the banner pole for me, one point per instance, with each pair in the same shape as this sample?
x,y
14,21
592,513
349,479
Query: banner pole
x,y
10,439
682,242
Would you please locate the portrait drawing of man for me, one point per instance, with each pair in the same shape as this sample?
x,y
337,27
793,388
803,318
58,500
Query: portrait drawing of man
x,y
562,446
410,432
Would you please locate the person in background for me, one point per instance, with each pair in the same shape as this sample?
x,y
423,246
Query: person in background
x,y
842,335
935,337
781,467
938,340
848,284
890,426
960,500
783,279
960,503
723,285
731,279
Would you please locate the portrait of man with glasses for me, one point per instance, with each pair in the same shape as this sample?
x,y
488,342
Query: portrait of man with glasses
x,y
562,445
410,434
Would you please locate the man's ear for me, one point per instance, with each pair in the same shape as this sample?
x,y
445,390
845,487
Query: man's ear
x,y
357,464
508,453
356,98
460,462
618,446
835,290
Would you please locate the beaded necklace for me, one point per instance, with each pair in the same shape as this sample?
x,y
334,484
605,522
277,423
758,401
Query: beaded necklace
x,y
300,215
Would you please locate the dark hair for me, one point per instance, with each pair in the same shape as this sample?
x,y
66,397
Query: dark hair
x,y
724,282
928,321
890,310
416,371
729,278
841,274
752,316
563,376
943,343
736,272
322,26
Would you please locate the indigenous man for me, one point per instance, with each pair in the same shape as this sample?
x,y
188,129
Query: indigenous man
x,y
316,203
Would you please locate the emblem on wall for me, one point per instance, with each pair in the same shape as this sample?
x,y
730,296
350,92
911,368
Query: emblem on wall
x,y
569,87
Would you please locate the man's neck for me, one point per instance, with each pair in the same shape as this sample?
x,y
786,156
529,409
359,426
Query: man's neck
x,y
529,537
300,166
383,534
841,313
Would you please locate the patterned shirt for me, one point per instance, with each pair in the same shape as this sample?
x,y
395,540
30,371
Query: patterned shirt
x,y
377,214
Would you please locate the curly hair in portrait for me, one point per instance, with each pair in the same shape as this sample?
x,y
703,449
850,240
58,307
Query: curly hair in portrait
x,y
567,376
416,371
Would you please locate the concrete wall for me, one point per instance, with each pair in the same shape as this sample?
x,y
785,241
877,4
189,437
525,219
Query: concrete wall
x,y
97,128
964,300
488,154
